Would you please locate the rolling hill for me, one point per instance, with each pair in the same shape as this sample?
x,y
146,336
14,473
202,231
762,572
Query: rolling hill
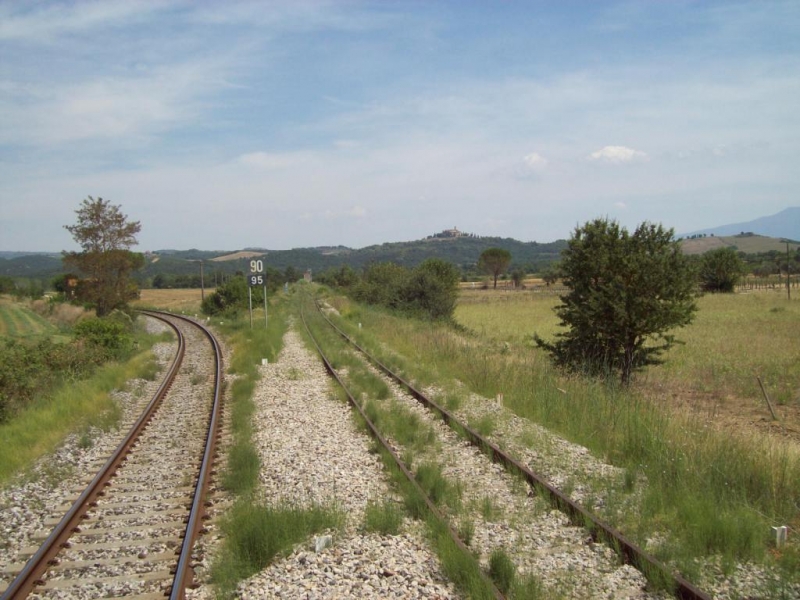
x,y
747,243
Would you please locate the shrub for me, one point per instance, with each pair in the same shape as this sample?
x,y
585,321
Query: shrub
x,y
111,335
430,290
720,270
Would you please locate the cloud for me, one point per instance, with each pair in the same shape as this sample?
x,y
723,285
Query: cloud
x,y
617,155
535,161
112,108
49,22
269,161
620,205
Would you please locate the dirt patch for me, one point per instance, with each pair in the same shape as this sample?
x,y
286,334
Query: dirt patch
x,y
732,413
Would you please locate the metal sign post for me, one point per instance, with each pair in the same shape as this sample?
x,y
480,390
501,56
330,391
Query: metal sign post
x,y
256,278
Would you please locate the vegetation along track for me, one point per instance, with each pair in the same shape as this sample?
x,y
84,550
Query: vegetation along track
x,y
629,552
131,531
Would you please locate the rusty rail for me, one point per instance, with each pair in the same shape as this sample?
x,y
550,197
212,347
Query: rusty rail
x,y
400,464
653,569
29,577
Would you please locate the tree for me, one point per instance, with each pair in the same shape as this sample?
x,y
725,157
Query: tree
x,y
432,289
494,262
517,276
551,274
105,235
625,292
720,270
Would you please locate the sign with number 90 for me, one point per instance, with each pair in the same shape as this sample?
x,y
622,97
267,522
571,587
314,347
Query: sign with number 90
x,y
257,266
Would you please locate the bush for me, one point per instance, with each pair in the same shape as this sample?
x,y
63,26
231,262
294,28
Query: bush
x,y
430,290
231,298
720,270
111,335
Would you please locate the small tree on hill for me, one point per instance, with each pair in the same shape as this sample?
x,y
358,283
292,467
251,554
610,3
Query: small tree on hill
x,y
720,270
105,235
494,262
625,292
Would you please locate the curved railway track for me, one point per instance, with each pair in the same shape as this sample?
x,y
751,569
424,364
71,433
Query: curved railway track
x,y
627,550
130,533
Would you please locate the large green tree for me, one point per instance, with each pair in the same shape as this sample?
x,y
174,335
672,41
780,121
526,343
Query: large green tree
x,y
720,270
494,262
105,236
626,291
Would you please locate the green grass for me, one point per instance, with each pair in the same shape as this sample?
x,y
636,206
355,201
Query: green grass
x,y
18,321
256,534
40,427
712,493
502,570
385,518
249,346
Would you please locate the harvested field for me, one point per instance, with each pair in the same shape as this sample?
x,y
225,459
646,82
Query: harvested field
x,y
186,300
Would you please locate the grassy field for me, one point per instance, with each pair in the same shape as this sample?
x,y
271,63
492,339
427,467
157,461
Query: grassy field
x,y
733,338
187,301
18,321
708,488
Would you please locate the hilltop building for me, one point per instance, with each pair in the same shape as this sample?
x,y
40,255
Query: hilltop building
x,y
450,234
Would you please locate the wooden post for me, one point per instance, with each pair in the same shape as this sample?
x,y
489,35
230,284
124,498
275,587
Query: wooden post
x,y
766,397
788,274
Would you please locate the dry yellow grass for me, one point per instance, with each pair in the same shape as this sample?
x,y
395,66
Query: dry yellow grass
x,y
187,300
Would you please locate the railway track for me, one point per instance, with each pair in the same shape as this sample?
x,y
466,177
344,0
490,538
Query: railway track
x,y
130,533
628,552
387,447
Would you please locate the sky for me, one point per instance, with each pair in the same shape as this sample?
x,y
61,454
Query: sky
x,y
287,124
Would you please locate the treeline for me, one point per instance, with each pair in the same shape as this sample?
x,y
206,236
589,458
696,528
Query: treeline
x,y
429,290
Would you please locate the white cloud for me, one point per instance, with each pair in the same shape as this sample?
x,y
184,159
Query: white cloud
x,y
618,155
270,161
620,205
535,161
45,24
109,108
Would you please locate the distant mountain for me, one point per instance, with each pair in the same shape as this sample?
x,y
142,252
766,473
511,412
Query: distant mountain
x,y
785,224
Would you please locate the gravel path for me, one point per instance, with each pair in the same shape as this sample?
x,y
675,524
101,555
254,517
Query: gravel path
x,y
312,452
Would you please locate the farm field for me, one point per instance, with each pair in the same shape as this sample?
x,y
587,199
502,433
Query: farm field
x,y
734,338
18,321
186,300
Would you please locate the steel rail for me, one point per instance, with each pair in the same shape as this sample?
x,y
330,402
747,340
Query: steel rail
x,y
184,573
653,569
29,577
400,464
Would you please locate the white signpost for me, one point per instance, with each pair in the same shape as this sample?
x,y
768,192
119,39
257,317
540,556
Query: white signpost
x,y
255,279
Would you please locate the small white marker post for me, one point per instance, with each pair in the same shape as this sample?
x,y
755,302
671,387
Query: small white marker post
x,y
780,535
